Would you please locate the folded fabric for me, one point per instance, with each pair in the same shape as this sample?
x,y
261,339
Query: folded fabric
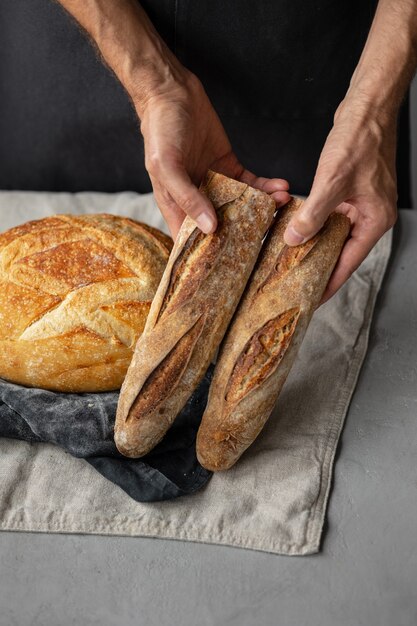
x,y
83,425
273,499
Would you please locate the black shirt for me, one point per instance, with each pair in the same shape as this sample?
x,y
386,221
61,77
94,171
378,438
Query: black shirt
x,y
275,70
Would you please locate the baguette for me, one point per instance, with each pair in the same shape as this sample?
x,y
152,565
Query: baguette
x,y
199,291
264,337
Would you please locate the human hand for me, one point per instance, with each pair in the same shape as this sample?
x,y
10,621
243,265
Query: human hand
x,y
356,176
184,138
182,133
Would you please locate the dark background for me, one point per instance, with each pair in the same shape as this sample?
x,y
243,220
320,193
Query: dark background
x,y
66,123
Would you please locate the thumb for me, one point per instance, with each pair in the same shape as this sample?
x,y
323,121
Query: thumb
x,y
312,214
188,197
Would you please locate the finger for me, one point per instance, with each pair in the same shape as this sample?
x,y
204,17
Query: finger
x,y
186,195
171,212
230,166
271,185
281,198
354,252
311,216
268,185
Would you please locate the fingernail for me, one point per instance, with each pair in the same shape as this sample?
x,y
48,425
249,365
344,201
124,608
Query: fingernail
x,y
292,237
205,222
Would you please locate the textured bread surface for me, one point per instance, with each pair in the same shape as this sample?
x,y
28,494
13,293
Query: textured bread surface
x,y
198,293
75,292
263,340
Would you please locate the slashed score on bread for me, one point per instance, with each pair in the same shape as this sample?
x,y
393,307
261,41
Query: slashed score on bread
x,y
75,291
198,293
262,342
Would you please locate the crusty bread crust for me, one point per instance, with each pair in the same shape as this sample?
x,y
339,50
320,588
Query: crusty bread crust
x,y
264,337
75,292
200,288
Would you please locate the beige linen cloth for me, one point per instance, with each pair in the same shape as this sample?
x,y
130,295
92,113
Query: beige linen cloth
x,y
275,498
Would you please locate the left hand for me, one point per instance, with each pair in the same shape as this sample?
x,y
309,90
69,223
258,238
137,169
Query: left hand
x,y
356,176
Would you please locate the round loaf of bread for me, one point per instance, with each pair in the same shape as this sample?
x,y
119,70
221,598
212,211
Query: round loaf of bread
x,y
75,291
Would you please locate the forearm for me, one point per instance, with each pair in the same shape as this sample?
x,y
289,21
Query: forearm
x,y
388,60
356,173
129,45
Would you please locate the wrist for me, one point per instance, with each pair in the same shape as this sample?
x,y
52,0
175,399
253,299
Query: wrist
x,y
360,107
154,75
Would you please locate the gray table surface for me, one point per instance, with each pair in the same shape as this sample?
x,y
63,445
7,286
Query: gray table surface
x,y
367,570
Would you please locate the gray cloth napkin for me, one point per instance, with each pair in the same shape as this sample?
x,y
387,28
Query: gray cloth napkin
x,y
83,424
275,498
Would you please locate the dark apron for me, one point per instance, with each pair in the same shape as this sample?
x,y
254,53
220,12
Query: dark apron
x,y
274,70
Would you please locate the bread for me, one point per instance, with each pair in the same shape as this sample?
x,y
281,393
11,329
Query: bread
x,y
264,337
75,292
200,288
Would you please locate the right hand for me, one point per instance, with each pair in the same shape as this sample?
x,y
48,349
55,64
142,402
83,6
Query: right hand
x,y
183,139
